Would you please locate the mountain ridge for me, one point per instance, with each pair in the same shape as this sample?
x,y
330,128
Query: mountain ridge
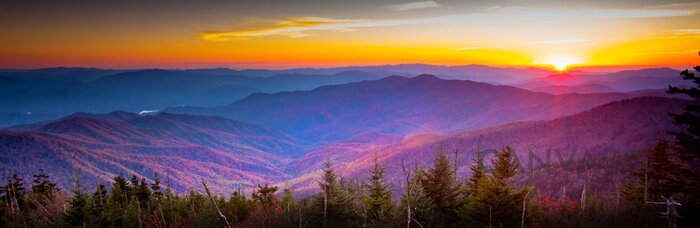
x,y
399,105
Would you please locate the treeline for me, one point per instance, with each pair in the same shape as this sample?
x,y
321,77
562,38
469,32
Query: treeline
x,y
431,197
664,191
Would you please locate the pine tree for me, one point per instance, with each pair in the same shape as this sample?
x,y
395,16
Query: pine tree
x,y
265,195
290,208
78,205
422,207
378,201
478,172
658,177
239,207
440,185
495,202
328,186
42,186
343,206
688,140
662,171
287,198
634,209
13,194
688,148
142,193
334,206
356,190
121,191
99,204
156,189
142,197
119,199
505,166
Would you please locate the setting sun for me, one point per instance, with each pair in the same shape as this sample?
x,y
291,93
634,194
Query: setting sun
x,y
560,66
559,62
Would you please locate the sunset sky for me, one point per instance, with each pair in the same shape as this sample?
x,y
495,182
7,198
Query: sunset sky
x,y
284,34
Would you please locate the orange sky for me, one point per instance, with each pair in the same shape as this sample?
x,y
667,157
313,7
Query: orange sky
x,y
271,34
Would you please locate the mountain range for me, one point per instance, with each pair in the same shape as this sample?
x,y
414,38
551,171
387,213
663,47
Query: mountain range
x,y
622,81
610,130
30,96
187,148
282,137
400,105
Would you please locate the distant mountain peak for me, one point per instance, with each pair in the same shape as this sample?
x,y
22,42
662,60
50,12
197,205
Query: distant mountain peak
x,y
426,77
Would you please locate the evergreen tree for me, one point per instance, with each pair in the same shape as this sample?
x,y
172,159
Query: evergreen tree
x,y
119,199
440,185
78,205
504,166
662,172
267,210
688,140
634,208
238,207
378,201
134,182
156,189
265,195
42,186
356,190
334,206
288,199
142,193
478,172
422,207
688,148
291,209
328,186
495,202
343,206
99,204
120,190
13,194
657,177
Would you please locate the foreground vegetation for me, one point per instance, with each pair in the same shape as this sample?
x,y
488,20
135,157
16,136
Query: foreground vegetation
x,y
668,182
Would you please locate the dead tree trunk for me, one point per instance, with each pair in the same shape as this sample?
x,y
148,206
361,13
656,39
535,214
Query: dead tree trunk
x,y
138,211
300,218
583,192
222,217
522,218
646,180
325,208
408,194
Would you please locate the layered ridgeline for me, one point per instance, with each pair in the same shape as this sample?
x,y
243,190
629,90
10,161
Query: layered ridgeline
x,y
230,154
34,95
184,148
28,96
622,81
401,106
614,134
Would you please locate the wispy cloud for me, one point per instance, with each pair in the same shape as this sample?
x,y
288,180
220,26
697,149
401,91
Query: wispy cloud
x,y
146,112
291,27
302,26
478,48
686,31
415,6
565,41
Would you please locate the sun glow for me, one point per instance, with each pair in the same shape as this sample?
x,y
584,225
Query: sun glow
x,y
559,62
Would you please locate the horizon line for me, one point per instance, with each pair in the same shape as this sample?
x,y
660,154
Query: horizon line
x,y
546,67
